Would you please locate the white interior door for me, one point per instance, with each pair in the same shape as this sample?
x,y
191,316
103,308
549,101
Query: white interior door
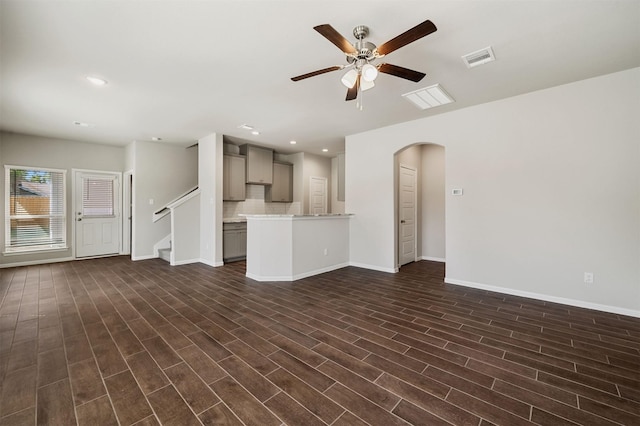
x,y
97,214
407,213
317,195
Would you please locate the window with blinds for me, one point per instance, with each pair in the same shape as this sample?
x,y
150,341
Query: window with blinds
x,y
35,209
97,197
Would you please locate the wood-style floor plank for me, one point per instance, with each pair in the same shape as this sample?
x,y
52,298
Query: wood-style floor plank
x,y
111,341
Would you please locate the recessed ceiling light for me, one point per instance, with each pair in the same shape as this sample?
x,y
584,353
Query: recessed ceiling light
x,y
255,132
325,150
293,142
81,124
245,127
97,80
156,139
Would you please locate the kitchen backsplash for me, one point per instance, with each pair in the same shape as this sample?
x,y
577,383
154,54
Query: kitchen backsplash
x,y
255,204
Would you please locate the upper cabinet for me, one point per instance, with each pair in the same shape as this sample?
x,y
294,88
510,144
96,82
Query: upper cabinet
x,y
259,168
281,191
233,185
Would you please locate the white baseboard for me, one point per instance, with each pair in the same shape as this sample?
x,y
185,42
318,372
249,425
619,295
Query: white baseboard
x,y
434,259
546,297
145,257
321,271
36,262
373,267
185,262
297,276
212,264
268,279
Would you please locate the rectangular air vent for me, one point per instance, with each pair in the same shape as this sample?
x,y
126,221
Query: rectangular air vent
x,y
429,97
479,57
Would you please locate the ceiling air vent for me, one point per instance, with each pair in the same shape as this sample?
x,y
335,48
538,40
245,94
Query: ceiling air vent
x,y
429,97
479,57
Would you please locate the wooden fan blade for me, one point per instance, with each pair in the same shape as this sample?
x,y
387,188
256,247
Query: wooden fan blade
x,y
314,73
328,32
409,36
401,72
352,93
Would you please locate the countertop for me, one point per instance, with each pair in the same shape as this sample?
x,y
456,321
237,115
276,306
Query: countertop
x,y
234,220
297,216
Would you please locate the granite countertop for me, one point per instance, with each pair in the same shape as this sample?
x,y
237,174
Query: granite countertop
x,y
234,220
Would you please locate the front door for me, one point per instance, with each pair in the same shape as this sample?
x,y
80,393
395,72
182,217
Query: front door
x,y
97,214
407,213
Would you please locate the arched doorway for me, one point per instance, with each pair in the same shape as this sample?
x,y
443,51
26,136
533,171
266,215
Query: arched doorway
x,y
420,203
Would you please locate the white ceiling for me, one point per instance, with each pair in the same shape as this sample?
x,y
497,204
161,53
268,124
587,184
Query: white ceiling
x,y
184,69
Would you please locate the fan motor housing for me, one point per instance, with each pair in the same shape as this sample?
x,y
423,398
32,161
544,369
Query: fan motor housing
x,y
360,32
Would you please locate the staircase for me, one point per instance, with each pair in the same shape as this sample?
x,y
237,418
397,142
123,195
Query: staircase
x,y
184,240
165,254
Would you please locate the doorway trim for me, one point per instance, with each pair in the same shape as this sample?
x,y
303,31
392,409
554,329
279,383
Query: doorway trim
x,y
127,212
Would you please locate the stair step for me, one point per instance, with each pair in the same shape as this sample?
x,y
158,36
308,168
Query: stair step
x,y
165,254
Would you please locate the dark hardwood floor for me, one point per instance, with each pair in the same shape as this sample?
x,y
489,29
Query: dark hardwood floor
x,y
110,341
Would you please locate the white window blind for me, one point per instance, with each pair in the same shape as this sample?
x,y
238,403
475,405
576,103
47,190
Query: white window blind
x,y
35,209
97,197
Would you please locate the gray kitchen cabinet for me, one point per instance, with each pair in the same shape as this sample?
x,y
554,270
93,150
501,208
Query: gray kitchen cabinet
x,y
234,241
233,179
281,191
259,164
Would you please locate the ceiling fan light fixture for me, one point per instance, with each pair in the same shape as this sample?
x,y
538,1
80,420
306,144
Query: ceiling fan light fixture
x,y
369,73
366,85
349,79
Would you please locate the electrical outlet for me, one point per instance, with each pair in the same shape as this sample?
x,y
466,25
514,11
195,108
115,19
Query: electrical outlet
x,y
588,277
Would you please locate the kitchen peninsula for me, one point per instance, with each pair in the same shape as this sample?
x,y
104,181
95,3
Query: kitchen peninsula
x,y
291,247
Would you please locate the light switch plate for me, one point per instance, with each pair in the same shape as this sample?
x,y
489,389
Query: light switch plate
x,y
456,191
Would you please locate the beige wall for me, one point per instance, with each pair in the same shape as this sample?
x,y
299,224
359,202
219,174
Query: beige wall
x,y
433,203
551,191
37,151
161,173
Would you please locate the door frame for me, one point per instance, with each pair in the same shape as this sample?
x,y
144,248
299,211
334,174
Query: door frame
x,y
399,215
127,209
74,210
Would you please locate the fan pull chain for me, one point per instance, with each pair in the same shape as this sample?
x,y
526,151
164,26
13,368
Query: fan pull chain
x,y
359,97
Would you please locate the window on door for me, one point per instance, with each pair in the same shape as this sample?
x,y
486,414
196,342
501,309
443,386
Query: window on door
x,y
97,197
35,209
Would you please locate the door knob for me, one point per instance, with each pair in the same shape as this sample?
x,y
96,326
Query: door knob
x,y
402,221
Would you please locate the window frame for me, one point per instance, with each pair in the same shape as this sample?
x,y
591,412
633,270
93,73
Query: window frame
x,y
10,249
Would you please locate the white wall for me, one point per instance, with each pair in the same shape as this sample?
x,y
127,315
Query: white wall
x,y
210,160
161,173
185,232
551,190
36,151
433,203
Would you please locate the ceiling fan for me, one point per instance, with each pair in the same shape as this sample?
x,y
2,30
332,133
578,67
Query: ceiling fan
x,y
360,58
